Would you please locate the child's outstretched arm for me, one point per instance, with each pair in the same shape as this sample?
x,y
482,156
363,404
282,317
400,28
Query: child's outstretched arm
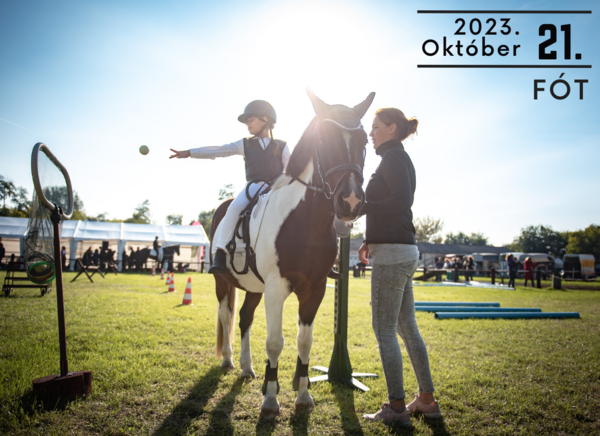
x,y
180,154
211,152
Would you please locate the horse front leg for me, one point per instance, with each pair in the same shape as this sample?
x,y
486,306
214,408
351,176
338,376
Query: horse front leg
x,y
275,295
246,318
306,316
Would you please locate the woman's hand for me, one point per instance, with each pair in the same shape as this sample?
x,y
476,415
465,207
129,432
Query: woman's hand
x,y
363,254
180,154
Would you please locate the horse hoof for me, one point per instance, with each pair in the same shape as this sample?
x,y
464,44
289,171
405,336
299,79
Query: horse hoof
x,y
248,374
304,407
269,413
227,365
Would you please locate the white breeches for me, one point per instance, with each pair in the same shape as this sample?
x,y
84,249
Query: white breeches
x,y
226,227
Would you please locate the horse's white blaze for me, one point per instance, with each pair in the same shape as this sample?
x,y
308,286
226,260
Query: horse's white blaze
x,y
346,135
224,317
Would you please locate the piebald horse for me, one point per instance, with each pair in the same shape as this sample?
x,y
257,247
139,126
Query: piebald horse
x,y
295,243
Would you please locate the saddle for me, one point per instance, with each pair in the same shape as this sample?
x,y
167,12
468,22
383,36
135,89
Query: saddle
x,y
242,232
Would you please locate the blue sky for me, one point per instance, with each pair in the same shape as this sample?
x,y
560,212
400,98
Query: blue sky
x,y
95,80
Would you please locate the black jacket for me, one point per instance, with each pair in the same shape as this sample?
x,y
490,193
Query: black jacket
x,y
390,195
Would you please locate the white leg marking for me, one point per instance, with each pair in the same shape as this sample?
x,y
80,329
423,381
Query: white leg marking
x,y
246,357
304,343
276,292
225,316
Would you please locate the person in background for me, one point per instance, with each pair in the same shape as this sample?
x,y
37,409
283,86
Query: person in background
x,y
2,252
87,257
124,260
529,266
63,258
95,257
470,267
439,264
513,267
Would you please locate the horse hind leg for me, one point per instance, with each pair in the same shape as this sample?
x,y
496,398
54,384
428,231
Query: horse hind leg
x,y
227,296
246,318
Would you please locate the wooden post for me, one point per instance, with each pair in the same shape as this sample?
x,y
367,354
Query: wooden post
x,y
493,275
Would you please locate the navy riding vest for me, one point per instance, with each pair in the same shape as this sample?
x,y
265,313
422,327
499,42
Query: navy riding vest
x,y
263,164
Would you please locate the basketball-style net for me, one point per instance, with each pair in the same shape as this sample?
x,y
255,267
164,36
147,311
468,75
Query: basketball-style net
x,y
52,203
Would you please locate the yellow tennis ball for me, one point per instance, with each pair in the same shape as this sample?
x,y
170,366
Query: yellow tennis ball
x,y
144,150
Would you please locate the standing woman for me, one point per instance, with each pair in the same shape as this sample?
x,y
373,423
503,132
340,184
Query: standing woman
x,y
513,267
390,240
529,266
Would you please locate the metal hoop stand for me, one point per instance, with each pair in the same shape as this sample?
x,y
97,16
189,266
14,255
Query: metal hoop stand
x,y
65,384
340,369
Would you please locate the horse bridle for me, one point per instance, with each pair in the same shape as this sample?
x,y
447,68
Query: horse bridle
x,y
347,168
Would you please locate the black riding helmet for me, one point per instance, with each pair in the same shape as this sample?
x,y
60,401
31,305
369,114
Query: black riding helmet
x,y
258,108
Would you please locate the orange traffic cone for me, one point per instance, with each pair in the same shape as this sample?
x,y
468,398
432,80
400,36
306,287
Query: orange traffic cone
x,y
153,272
162,274
172,285
187,297
168,278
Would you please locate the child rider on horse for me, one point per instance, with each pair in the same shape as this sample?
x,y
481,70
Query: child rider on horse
x,y
265,158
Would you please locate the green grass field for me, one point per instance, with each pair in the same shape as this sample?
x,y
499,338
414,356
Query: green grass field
x,y
155,372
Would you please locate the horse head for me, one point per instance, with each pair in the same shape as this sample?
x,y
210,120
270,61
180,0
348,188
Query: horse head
x,y
339,154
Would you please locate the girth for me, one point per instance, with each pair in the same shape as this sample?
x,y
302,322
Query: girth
x,y
242,231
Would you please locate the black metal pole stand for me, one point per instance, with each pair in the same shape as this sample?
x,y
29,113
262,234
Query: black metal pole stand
x,y
340,369
62,334
66,384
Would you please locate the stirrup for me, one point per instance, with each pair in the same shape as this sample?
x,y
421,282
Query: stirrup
x,y
333,274
219,265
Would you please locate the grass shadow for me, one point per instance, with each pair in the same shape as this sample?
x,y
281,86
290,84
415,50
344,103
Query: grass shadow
x,y
345,398
299,423
220,417
33,402
265,426
184,414
437,426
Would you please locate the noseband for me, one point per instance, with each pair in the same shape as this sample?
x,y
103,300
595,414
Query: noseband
x,y
347,168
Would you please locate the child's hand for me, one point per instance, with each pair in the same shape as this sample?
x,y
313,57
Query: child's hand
x,y
180,154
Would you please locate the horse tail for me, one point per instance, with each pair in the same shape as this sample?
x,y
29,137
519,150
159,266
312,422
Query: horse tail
x,y
223,288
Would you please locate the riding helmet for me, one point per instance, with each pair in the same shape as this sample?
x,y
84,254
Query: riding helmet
x,y
258,108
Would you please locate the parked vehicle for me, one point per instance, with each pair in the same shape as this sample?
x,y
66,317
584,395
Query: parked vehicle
x,y
579,267
485,261
543,262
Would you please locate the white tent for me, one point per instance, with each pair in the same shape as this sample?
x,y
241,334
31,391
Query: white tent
x,y
121,233
15,228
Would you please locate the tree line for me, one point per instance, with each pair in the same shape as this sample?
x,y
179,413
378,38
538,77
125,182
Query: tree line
x,y
532,239
16,202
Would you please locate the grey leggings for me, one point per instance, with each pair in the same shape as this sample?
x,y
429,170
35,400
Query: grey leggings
x,y
393,308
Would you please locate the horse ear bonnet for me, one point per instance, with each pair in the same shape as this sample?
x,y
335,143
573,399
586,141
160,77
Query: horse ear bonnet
x,y
319,105
361,108
258,108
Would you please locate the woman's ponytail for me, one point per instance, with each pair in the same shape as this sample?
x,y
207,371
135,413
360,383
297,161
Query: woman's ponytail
x,y
404,127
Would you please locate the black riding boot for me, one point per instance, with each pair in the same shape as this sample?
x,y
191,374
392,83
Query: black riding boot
x,y
333,274
219,263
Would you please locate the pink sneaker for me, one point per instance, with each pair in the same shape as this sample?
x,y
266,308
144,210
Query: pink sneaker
x,y
430,411
388,415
